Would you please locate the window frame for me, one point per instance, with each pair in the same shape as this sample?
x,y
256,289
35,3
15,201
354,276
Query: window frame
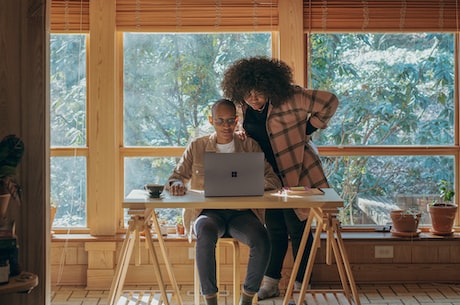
x,y
101,21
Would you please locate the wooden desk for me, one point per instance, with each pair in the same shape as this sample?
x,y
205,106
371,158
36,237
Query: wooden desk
x,y
322,211
22,283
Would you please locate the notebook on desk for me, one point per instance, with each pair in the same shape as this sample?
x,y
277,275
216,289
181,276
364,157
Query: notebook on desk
x,y
234,174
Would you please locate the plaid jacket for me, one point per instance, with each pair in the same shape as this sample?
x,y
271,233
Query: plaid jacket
x,y
296,157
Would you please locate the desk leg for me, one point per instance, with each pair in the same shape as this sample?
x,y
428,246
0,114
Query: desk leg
x,y
156,267
132,240
123,263
346,263
295,267
334,245
313,214
333,236
161,243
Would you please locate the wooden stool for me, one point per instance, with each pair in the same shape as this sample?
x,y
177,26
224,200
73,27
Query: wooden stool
x,y
236,270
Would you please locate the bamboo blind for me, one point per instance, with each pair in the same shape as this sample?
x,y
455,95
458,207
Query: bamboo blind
x,y
196,15
172,15
379,16
262,15
70,15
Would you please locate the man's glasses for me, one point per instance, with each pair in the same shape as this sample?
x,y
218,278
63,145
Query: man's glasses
x,y
221,121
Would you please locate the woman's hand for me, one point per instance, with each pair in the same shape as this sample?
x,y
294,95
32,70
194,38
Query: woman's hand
x,y
241,134
177,188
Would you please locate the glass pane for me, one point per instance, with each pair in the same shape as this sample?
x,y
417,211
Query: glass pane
x,y
68,90
171,79
394,89
372,186
140,171
68,191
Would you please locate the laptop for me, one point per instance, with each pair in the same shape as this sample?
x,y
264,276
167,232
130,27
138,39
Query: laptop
x,y
234,174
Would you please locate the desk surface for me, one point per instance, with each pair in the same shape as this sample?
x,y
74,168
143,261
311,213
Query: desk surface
x,y
139,199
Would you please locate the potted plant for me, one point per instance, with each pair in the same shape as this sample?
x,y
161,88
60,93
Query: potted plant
x,y
11,152
180,228
405,222
53,210
442,212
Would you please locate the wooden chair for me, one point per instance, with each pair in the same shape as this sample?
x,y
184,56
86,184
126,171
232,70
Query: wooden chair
x,y
236,270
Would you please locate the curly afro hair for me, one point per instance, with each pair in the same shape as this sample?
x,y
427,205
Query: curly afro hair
x,y
271,77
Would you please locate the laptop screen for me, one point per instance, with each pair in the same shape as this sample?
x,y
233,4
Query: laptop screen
x,y
234,174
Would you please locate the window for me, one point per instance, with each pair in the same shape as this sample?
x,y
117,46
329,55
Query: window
x,y
170,81
392,65
68,128
396,94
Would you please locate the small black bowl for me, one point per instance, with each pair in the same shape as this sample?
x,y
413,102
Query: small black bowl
x,y
154,189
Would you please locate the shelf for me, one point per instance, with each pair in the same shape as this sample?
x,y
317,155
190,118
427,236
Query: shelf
x,y
22,283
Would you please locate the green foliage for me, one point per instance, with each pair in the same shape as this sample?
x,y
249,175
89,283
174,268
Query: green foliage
x,y
170,80
68,90
11,152
415,213
394,89
446,192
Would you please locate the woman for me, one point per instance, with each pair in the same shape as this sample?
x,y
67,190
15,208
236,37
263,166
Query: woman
x,y
246,225
281,117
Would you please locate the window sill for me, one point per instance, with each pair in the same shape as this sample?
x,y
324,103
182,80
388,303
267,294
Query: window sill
x,y
346,235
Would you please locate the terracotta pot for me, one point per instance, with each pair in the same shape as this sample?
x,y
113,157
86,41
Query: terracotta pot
x,y
4,201
442,218
180,229
404,221
52,215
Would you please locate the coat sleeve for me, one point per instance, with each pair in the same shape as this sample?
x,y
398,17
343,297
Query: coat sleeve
x,y
321,104
272,182
183,170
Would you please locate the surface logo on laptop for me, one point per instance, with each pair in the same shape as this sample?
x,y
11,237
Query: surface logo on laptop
x,y
234,174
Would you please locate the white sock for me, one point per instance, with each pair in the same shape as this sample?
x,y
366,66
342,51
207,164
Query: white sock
x,y
297,285
269,288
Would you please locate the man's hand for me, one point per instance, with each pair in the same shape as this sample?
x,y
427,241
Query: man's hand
x,y
177,188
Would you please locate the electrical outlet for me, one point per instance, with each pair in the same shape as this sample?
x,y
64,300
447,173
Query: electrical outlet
x,y
384,252
191,253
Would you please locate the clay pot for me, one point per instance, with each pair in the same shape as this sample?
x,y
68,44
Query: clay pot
x,y
405,221
180,229
53,211
442,218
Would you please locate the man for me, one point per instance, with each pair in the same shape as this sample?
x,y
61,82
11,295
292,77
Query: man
x,y
246,225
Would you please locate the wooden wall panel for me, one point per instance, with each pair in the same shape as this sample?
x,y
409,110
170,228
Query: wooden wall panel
x,y
413,261
23,111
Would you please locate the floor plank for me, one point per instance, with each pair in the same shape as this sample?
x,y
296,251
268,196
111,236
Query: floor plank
x,y
391,294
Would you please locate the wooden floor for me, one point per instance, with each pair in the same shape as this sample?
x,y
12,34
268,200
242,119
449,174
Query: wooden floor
x,y
392,294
